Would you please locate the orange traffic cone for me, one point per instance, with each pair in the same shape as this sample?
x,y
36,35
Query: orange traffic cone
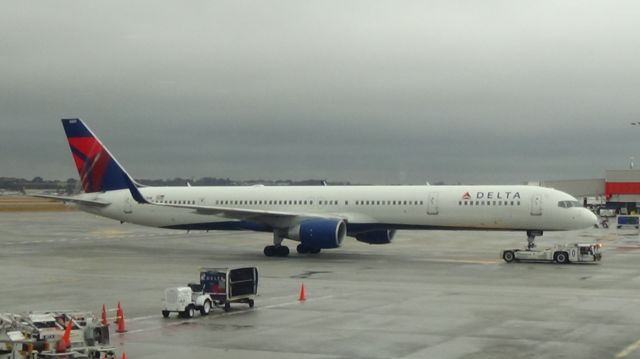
x,y
124,355
118,309
302,297
120,319
104,321
65,341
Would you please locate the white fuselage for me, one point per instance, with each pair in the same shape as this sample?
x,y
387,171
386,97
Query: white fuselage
x,y
362,207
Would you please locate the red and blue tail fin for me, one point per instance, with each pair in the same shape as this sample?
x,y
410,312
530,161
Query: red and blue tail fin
x,y
99,171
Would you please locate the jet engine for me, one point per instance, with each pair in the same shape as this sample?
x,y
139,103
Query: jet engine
x,y
316,234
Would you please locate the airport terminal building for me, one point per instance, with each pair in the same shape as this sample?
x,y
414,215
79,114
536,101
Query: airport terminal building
x,y
618,190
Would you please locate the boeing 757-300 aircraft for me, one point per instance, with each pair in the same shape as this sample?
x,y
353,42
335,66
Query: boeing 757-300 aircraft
x,y
318,217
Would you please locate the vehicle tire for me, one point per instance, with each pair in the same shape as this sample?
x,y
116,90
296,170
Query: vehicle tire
x,y
314,250
206,308
189,312
227,306
301,249
562,257
251,303
508,256
165,313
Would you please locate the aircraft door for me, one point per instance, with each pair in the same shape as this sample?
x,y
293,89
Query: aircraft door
x,y
432,203
536,205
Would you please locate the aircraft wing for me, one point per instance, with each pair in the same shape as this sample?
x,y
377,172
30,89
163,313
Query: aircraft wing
x,y
271,218
85,201
277,219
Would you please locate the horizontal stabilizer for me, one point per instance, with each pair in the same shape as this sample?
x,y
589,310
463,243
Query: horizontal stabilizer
x,y
89,202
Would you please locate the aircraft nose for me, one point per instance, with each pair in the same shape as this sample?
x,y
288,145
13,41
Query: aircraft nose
x,y
590,219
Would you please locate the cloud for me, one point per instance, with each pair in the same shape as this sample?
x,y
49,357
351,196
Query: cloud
x,y
384,92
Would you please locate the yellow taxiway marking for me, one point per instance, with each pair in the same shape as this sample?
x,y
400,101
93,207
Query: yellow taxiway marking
x,y
628,350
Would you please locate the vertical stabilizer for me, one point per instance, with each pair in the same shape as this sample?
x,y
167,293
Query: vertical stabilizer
x,y
98,169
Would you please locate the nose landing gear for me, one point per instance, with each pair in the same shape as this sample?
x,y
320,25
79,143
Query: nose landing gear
x,y
531,237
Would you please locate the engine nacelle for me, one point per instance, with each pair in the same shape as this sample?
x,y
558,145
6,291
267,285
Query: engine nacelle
x,y
384,236
319,233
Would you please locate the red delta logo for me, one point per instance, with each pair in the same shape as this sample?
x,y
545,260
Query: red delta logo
x,y
466,196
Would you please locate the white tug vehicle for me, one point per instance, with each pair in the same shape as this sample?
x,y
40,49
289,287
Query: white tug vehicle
x,y
218,287
559,253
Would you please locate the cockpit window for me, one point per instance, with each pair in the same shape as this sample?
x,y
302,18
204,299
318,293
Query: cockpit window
x,y
569,204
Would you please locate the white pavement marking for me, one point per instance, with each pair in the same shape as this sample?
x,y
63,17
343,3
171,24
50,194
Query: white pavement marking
x,y
628,350
227,313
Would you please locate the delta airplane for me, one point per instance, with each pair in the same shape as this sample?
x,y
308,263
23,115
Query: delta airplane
x,y
318,217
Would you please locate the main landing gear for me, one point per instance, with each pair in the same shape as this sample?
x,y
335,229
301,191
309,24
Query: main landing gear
x,y
531,237
277,249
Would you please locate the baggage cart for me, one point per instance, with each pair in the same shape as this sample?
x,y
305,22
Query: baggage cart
x,y
230,285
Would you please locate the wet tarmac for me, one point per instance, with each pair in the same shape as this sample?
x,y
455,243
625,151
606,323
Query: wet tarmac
x,y
427,295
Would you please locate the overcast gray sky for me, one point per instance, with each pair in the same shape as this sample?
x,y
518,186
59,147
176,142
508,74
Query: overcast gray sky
x,y
365,91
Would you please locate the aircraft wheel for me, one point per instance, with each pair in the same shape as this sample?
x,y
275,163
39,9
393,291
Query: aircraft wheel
x,y
301,249
269,251
314,250
282,251
508,256
227,306
250,303
165,313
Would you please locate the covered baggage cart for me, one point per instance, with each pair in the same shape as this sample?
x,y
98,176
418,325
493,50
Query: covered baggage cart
x,y
230,285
